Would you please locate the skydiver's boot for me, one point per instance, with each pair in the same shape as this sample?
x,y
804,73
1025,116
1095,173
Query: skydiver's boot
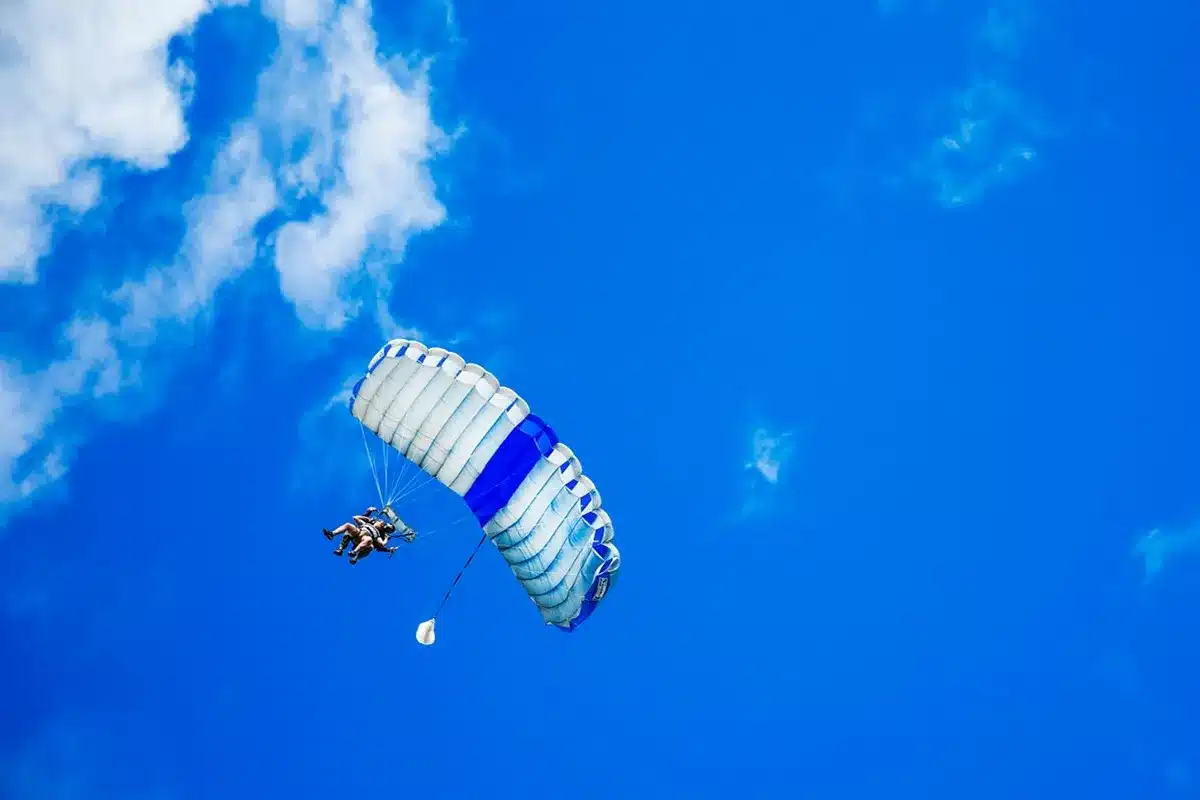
x,y
359,552
328,533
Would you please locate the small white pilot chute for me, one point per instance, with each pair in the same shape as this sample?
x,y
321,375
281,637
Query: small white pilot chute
x,y
425,632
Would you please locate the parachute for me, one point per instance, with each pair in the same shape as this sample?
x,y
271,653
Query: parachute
x,y
525,488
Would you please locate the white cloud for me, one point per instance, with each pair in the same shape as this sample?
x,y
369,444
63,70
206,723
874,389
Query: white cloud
x,y
218,246
327,180
989,137
364,135
354,136
100,357
1157,549
82,82
300,15
989,134
980,132
770,453
766,469
341,398
25,411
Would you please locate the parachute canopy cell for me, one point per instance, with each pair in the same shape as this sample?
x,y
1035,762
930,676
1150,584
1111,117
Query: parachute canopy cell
x,y
525,488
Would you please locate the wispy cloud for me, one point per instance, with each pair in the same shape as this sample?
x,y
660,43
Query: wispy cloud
x,y
988,137
1157,549
325,182
989,133
769,456
27,405
770,453
219,244
955,143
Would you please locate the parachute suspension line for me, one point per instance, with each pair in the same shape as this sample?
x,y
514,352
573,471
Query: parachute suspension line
x,y
468,515
409,488
458,577
396,478
402,490
404,477
453,523
394,487
442,528
371,460
389,490
387,486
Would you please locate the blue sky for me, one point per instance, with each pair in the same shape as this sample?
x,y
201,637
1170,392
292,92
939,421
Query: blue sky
x,y
873,322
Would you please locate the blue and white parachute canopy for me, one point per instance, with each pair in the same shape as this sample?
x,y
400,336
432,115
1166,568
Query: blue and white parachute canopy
x,y
526,489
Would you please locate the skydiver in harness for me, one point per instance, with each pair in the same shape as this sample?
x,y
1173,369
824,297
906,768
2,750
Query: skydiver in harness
x,y
370,534
354,529
373,537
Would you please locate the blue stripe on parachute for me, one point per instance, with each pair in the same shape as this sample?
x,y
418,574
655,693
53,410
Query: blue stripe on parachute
x,y
512,462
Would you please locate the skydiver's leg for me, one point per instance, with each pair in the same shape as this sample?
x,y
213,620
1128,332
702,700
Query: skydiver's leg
x,y
362,549
346,538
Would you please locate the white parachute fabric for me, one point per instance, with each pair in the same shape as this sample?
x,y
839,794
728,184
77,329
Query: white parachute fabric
x,y
526,489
